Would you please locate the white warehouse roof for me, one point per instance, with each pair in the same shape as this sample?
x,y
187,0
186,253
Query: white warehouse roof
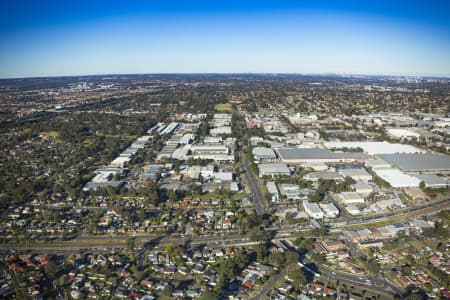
x,y
397,178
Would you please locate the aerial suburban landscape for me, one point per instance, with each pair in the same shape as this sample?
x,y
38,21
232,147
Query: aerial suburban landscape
x,y
229,150
225,186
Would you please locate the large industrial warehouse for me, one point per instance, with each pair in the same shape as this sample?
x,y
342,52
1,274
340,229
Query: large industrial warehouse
x,y
420,162
300,155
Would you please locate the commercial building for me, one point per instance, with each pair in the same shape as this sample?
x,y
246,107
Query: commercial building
x,y
217,152
110,170
167,151
324,175
351,198
273,191
129,152
102,177
92,186
205,171
181,153
313,210
421,162
120,161
376,163
356,174
329,209
213,140
393,203
315,166
374,148
223,130
353,210
291,191
221,120
187,139
362,187
397,178
273,169
170,128
223,176
263,154
433,181
301,155
403,133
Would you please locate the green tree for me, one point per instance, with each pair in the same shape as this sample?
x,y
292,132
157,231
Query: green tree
x,y
298,276
208,295
51,269
373,267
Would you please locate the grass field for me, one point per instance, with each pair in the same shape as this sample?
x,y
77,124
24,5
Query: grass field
x,y
225,107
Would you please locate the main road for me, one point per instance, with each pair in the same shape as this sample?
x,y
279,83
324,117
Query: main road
x,y
377,285
253,184
90,242
250,176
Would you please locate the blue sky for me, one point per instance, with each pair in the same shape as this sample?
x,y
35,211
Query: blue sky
x,y
41,38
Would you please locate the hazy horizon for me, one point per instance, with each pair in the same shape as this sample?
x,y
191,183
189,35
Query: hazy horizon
x,y
391,38
324,74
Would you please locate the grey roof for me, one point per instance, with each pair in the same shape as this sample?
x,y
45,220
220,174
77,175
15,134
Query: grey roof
x,y
432,180
427,162
95,185
316,153
324,175
263,152
273,168
354,172
272,187
362,185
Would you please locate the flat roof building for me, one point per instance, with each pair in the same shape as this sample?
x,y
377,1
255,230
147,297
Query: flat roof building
x,y
92,186
313,210
120,161
374,148
273,191
217,152
400,133
397,178
433,181
421,162
315,165
222,130
187,138
376,163
273,169
352,198
362,187
353,210
301,155
329,209
356,174
324,175
291,191
263,153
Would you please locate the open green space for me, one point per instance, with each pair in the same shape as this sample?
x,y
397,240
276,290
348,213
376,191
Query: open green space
x,y
223,107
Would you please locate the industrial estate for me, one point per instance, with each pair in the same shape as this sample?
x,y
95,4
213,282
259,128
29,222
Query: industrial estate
x,y
225,187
